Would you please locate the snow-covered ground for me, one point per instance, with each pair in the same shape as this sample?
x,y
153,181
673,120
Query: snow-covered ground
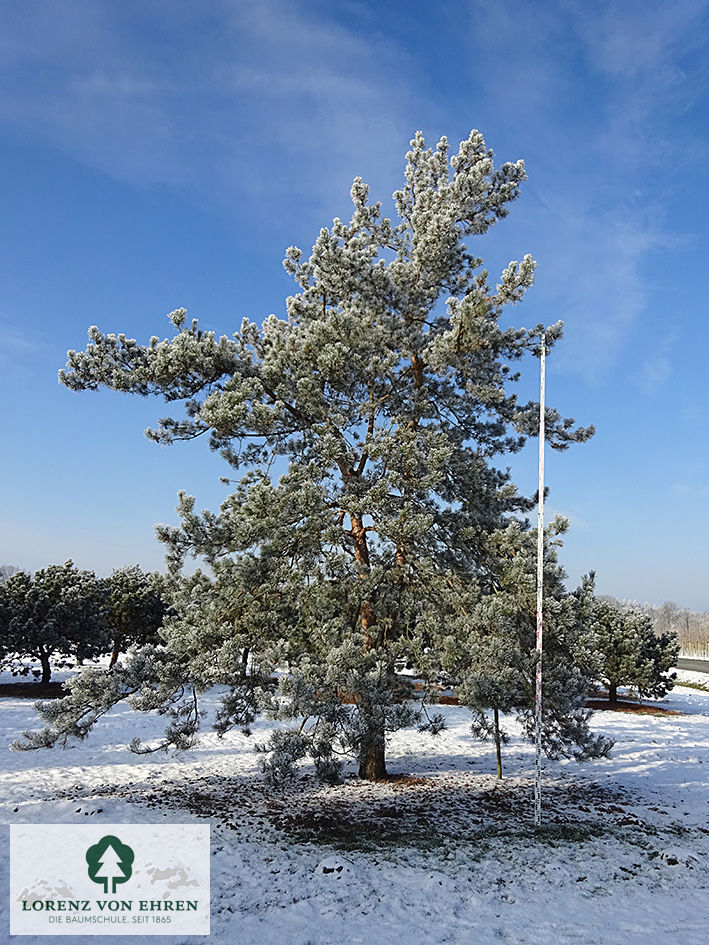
x,y
445,853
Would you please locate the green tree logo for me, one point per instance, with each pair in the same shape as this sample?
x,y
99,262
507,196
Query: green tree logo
x,y
110,862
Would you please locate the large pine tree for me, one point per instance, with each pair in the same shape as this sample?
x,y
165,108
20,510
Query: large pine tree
x,y
364,428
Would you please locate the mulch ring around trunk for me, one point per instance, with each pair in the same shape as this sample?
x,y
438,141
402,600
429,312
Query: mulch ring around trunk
x,y
421,811
638,707
32,690
434,810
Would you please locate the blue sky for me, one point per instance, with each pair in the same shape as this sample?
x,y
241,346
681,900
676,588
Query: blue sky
x,y
165,155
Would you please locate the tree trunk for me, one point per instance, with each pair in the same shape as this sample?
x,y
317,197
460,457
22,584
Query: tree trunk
x,y
46,668
115,652
498,745
612,692
244,662
361,550
372,761
372,765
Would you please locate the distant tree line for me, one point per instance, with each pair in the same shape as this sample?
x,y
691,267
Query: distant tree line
x,y
61,611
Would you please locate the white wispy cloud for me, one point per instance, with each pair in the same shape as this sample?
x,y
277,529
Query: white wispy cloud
x,y
20,348
601,150
248,103
654,373
647,53
690,490
271,109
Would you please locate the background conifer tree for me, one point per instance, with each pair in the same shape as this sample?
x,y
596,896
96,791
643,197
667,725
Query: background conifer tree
x,y
136,608
491,654
57,611
631,653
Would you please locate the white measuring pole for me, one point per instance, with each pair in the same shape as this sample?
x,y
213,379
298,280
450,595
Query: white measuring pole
x,y
540,600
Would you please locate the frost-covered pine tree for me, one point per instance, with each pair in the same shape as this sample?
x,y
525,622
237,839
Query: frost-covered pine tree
x,y
59,610
490,653
363,428
631,653
135,608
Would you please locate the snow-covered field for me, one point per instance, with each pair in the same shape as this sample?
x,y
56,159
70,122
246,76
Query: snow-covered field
x,y
444,853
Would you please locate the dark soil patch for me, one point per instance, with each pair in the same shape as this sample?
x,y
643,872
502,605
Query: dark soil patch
x,y
33,690
402,781
426,812
430,812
